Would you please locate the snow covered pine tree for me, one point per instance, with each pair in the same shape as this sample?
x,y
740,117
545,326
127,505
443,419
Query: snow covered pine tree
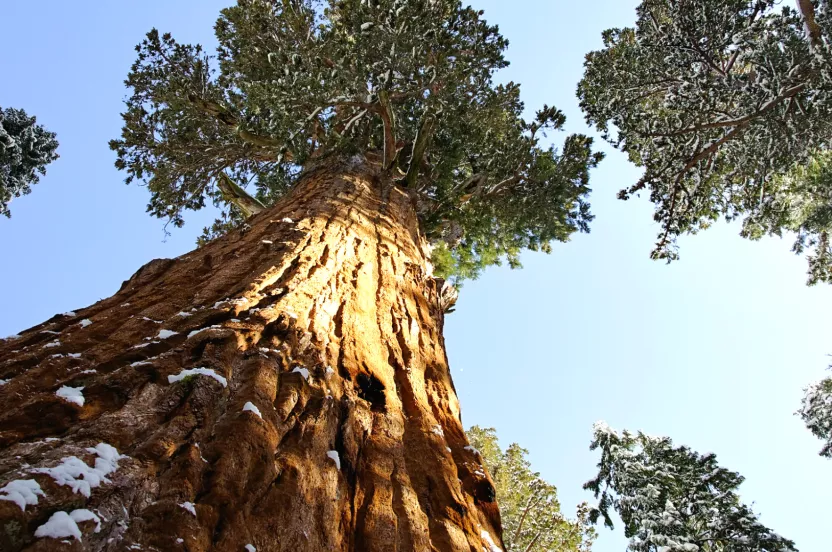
x,y
727,104
816,412
285,386
672,499
25,150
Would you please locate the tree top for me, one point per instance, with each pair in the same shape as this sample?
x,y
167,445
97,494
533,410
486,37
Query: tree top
x,y
297,80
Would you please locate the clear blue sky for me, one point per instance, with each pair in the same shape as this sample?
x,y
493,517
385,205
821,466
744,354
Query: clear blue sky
x,y
713,350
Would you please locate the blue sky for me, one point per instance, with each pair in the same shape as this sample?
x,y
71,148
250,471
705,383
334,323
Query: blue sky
x,y
713,350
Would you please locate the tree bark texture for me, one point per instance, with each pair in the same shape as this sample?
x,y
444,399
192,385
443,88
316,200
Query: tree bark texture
x,y
323,315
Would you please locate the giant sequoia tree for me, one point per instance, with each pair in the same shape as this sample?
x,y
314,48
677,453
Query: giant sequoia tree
x,y
727,105
285,386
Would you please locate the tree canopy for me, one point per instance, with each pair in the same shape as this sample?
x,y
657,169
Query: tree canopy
x,y
726,105
816,412
294,81
26,148
672,499
529,507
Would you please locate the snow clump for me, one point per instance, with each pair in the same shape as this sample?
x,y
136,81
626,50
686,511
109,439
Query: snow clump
x,y
190,507
62,525
302,371
22,492
198,372
80,477
249,407
71,394
333,455
489,541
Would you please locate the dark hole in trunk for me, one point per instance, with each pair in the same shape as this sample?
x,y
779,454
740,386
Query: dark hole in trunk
x,y
371,390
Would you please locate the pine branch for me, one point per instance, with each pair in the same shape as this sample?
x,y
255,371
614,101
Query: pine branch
x,y
741,121
234,194
531,502
807,10
420,146
385,110
223,115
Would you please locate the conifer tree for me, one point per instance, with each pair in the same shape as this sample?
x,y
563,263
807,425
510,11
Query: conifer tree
x,y
816,412
672,499
726,105
26,148
285,386
529,506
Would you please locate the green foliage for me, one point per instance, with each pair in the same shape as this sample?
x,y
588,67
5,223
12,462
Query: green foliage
x,y
816,412
672,499
532,520
25,150
299,80
727,105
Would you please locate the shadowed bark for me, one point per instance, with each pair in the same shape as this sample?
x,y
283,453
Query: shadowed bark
x,y
324,316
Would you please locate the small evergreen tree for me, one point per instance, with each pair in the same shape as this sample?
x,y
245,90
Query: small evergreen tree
x,y
816,412
532,520
727,105
672,499
25,150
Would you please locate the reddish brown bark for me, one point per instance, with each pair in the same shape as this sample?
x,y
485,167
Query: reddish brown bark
x,y
332,280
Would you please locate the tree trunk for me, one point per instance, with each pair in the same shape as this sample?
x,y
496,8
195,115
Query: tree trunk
x,y
323,315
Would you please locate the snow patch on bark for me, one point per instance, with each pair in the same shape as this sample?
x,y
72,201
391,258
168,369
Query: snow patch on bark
x,y
189,506
22,492
302,371
71,394
490,542
198,372
80,477
249,407
3,382
333,455
85,322
143,345
51,344
200,453
164,334
200,330
62,525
